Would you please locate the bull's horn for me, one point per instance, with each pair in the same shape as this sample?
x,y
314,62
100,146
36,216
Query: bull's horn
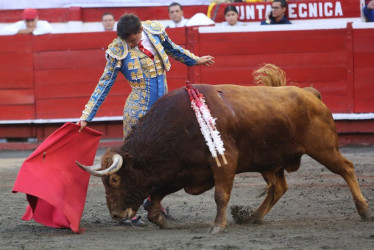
x,y
116,165
95,167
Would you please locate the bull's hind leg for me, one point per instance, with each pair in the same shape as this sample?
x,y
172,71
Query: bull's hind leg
x,y
222,193
277,186
223,182
336,163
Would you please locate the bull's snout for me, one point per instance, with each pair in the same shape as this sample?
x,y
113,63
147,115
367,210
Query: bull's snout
x,y
120,215
116,216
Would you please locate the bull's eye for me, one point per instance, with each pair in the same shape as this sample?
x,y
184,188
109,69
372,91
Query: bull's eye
x,y
114,180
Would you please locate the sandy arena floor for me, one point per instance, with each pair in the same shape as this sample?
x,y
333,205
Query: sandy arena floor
x,y
317,212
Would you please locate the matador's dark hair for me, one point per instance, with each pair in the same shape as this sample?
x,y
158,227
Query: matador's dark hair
x,y
127,25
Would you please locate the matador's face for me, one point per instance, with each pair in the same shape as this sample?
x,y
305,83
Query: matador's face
x,y
134,39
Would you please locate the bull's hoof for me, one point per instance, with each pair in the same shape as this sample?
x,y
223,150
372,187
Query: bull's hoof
x,y
255,220
217,230
162,223
158,219
367,215
364,211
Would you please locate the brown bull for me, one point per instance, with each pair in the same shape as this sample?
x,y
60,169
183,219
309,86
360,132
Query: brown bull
x,y
264,130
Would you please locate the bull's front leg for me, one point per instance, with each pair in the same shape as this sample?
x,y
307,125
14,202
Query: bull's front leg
x,y
154,213
222,193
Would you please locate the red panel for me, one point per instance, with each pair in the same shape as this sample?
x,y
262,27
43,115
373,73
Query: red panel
x,y
260,42
77,89
363,44
178,36
364,89
214,75
296,34
16,43
329,88
338,104
177,69
356,139
74,83
63,76
175,83
364,106
363,40
17,131
364,70
359,33
17,112
16,96
18,78
113,106
74,41
12,61
363,60
60,108
355,126
73,107
55,15
316,74
303,60
51,15
16,70
69,59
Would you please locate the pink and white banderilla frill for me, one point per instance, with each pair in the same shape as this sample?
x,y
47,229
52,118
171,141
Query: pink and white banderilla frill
x,y
207,123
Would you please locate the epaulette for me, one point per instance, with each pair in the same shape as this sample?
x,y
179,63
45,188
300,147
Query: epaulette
x,y
153,27
117,49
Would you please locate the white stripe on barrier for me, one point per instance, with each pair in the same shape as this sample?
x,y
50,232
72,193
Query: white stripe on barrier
x,y
363,25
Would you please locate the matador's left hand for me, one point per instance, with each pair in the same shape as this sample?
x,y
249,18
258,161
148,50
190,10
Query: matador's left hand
x,y
206,60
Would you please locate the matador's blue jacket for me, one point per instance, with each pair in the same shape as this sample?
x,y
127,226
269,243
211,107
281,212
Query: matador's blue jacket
x,y
147,77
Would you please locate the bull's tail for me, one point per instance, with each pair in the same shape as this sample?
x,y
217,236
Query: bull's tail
x,y
273,76
270,75
313,91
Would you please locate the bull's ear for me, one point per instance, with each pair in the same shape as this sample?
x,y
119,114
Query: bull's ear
x,y
138,163
128,160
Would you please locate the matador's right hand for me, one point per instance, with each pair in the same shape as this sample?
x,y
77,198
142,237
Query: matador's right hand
x,y
83,124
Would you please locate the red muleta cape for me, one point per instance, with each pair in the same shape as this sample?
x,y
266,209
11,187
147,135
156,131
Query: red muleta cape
x,y
54,185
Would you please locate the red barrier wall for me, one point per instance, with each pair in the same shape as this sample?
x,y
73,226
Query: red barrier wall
x,y
363,55
52,76
319,58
